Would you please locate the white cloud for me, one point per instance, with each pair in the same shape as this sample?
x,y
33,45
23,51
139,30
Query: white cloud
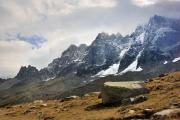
x,y
16,53
13,55
143,3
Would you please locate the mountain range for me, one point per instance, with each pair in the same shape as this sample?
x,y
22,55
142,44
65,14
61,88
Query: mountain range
x,y
152,49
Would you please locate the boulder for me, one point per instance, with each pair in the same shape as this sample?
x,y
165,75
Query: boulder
x,y
70,98
38,102
94,93
116,92
148,112
167,114
138,99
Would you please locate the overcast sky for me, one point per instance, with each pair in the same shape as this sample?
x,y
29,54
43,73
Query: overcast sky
x,y
37,31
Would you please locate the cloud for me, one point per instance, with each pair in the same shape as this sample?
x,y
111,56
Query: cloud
x,y
68,6
146,3
35,40
143,3
13,55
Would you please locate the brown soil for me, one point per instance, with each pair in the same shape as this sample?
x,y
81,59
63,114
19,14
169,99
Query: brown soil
x,y
164,93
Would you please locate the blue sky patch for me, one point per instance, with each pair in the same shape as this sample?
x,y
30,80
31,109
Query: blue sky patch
x,y
35,40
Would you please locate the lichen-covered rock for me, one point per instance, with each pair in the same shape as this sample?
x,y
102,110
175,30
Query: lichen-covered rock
x,y
113,92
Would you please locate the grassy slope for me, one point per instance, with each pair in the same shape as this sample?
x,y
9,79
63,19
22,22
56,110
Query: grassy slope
x,y
164,92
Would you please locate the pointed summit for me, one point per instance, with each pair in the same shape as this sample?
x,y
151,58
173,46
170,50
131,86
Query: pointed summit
x,y
158,20
27,72
102,35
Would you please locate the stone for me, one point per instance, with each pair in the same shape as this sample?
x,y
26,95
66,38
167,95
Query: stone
x,y
131,111
133,100
167,113
162,75
148,112
177,79
28,111
44,105
116,92
69,98
94,93
86,95
48,118
149,80
138,99
100,96
38,102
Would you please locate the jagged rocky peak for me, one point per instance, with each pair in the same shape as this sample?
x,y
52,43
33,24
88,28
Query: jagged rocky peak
x,y
73,49
106,36
73,54
29,71
140,29
82,46
102,35
156,19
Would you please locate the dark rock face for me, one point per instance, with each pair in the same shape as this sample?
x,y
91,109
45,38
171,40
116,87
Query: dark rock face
x,y
152,56
103,49
28,73
102,53
2,80
73,55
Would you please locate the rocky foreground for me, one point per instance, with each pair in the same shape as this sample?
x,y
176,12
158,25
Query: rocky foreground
x,y
162,102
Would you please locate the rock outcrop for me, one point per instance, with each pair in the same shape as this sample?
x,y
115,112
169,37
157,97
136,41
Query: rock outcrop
x,y
167,114
118,92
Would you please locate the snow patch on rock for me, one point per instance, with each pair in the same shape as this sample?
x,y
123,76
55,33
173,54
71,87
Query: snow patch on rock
x,y
165,62
113,69
141,37
133,66
49,79
176,59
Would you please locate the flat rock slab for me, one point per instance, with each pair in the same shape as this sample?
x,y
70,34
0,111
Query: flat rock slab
x,y
130,85
113,92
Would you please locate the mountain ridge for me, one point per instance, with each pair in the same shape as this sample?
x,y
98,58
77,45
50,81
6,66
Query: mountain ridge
x,y
150,50
138,37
